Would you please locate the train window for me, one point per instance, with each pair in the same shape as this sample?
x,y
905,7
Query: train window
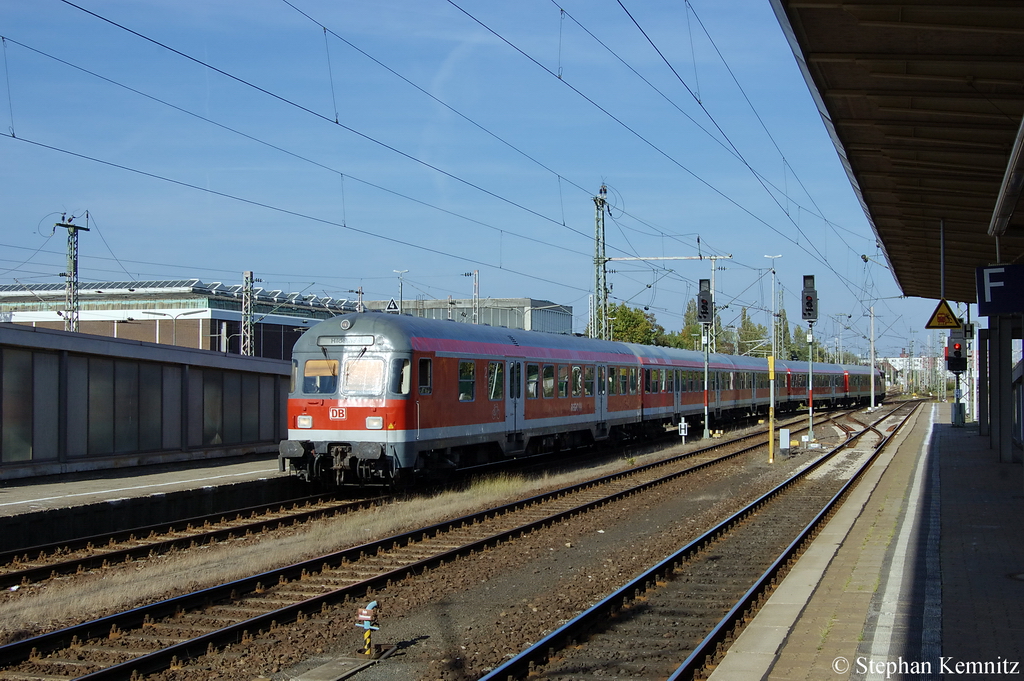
x,y
601,380
426,376
548,380
563,380
662,373
633,380
672,380
613,380
467,381
515,379
532,377
400,376
588,382
577,381
495,380
320,376
295,375
364,376
624,381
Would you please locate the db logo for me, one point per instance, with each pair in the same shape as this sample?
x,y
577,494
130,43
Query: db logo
x,y
338,414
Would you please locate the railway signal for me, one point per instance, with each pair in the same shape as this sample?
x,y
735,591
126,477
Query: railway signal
x,y
809,300
956,357
705,303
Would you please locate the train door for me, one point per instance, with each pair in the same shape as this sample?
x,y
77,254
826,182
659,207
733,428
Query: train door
x,y
601,400
677,398
514,406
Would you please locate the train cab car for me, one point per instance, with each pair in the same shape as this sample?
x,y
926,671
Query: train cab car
x,y
393,399
380,398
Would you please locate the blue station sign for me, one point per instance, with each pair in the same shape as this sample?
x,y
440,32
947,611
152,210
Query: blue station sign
x,y
1000,289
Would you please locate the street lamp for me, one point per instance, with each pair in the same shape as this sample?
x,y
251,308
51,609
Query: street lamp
x,y
775,324
174,322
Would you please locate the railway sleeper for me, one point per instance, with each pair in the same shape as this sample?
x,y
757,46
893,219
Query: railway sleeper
x,y
158,639
123,652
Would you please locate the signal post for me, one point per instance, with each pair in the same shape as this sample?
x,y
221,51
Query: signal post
x,y
706,317
809,312
956,362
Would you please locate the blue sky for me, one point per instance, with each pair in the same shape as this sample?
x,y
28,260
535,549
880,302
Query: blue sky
x,y
326,145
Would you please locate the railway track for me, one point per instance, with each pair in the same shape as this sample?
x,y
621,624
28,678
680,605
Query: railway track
x,y
694,602
158,636
31,565
26,566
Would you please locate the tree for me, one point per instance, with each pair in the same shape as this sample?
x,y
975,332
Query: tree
x,y
751,337
785,342
688,338
632,325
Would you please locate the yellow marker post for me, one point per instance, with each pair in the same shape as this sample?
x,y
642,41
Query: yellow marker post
x,y
771,409
366,618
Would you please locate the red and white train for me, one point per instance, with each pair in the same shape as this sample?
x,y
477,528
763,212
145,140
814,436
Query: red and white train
x,y
380,398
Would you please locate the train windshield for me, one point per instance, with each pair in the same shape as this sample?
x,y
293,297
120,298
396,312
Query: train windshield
x,y
320,376
363,376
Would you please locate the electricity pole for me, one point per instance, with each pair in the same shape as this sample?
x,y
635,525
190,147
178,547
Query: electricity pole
x,y
599,310
248,348
71,285
476,294
401,293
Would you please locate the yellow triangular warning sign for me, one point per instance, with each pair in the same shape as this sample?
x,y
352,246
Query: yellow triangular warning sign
x,y
943,318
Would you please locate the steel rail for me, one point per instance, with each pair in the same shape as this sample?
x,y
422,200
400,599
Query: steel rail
x,y
96,540
575,629
706,651
161,659
104,557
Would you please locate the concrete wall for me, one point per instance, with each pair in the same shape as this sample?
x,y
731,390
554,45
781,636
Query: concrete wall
x,y
74,402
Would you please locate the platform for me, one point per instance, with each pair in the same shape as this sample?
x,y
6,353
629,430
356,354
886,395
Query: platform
x,y
60,507
78,489
920,575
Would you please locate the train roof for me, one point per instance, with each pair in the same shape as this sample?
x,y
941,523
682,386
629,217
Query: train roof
x,y
404,333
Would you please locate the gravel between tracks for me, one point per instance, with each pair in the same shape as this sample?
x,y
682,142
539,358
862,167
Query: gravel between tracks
x,y
464,618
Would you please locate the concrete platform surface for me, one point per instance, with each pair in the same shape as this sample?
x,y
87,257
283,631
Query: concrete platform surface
x,y
79,489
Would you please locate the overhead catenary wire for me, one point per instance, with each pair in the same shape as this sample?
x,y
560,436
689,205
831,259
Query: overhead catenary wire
x,y
300,107
816,255
726,147
562,220
293,213
271,145
292,154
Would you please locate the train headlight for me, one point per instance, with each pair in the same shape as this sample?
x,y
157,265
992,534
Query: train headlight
x,y
304,421
374,422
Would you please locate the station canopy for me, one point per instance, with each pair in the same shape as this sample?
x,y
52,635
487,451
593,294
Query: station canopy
x,y
924,102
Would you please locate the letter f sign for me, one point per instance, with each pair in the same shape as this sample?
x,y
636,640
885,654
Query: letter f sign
x,y
989,284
